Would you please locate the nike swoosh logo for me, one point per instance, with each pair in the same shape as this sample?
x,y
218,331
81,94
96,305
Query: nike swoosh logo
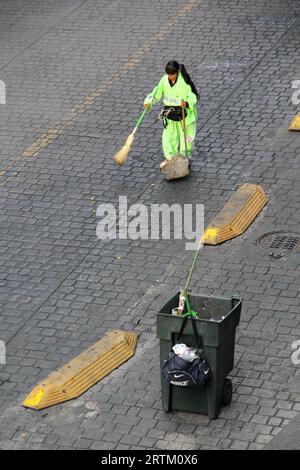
x,y
178,376
206,371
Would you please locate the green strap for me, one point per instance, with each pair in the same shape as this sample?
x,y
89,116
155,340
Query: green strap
x,y
187,301
190,313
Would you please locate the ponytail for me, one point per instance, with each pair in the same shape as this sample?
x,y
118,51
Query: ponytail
x,y
174,67
188,80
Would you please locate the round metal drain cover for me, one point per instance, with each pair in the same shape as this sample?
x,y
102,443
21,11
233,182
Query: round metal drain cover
x,y
280,241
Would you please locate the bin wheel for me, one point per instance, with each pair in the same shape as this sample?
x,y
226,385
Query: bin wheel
x,y
227,392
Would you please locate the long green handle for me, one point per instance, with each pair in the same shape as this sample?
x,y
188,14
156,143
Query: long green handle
x,y
193,266
143,115
139,121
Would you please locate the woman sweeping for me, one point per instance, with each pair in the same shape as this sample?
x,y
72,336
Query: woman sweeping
x,y
179,95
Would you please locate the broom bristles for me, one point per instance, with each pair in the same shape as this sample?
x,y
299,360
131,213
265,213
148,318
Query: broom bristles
x,y
121,156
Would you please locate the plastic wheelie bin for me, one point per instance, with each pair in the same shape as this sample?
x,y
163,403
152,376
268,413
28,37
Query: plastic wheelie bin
x,y
216,325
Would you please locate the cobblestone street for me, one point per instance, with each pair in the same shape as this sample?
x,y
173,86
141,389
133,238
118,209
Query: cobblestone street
x,y
76,75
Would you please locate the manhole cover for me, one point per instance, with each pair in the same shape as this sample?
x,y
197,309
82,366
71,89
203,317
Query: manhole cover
x,y
279,242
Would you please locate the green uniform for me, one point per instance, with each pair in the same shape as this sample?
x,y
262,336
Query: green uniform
x,y
173,136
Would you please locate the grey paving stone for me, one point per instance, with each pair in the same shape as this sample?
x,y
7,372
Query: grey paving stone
x,y
239,445
83,443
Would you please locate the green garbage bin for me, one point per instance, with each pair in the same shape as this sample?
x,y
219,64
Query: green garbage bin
x,y
216,325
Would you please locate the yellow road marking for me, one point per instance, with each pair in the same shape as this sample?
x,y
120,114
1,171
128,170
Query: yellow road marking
x,y
89,100
46,139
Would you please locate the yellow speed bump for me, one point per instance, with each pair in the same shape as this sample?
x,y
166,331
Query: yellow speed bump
x,y
295,124
238,213
84,371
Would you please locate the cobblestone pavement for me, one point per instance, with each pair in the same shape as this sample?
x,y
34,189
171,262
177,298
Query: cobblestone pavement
x,y
76,73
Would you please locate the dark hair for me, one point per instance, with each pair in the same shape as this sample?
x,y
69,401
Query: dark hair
x,y
174,67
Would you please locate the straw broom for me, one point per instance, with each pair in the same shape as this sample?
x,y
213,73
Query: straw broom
x,y
121,156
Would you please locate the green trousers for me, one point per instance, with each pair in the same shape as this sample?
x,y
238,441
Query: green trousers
x,y
173,139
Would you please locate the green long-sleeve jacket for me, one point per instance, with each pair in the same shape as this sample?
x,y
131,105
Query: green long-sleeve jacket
x,y
173,95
